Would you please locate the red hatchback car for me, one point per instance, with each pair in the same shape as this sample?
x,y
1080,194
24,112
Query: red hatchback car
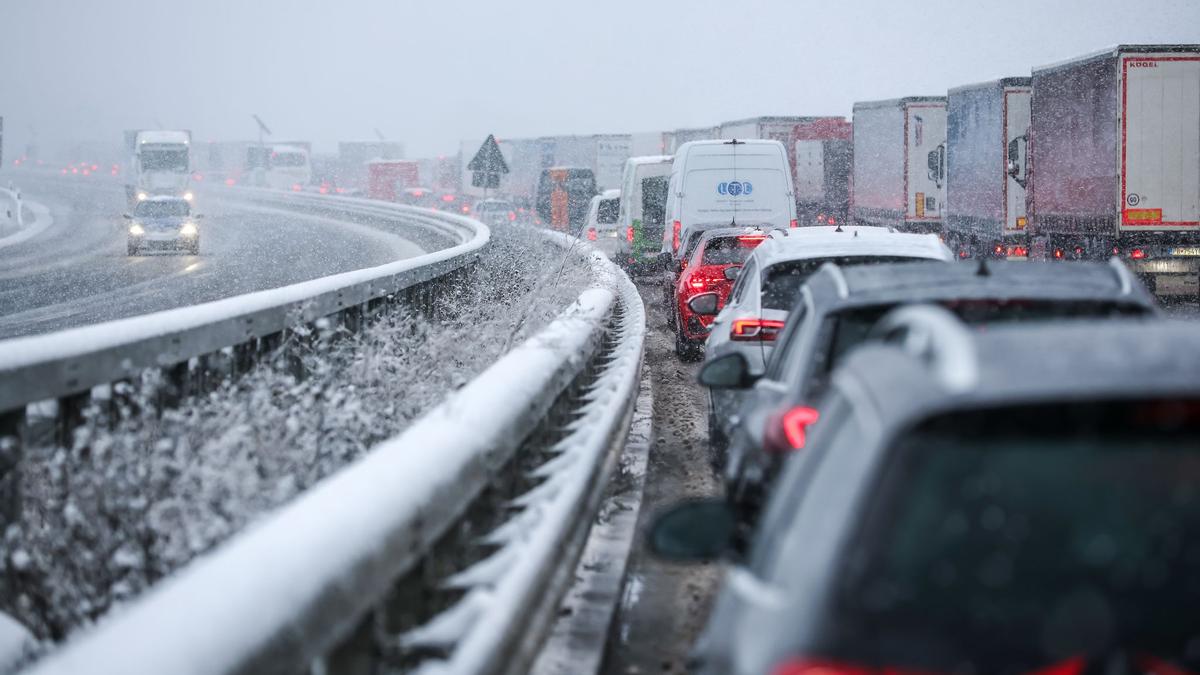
x,y
705,282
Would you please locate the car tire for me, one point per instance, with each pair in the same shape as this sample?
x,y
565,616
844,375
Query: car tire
x,y
685,349
131,249
194,247
718,446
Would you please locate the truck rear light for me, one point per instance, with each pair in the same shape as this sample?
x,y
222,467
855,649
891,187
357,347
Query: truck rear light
x,y
1058,254
1018,251
788,431
998,250
447,198
591,234
832,220
677,227
821,218
963,254
629,234
763,330
1137,254
795,223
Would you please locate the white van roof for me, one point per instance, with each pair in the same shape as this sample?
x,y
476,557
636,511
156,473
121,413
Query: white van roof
x,y
651,159
610,194
164,137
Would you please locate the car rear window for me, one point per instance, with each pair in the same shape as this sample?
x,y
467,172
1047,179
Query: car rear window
x,y
1020,537
730,250
606,211
782,281
850,328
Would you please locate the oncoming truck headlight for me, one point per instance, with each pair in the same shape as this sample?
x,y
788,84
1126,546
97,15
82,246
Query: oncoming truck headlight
x,y
188,230
187,196
142,196
136,230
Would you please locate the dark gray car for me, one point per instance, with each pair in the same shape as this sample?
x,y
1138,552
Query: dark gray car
x,y
1016,500
838,307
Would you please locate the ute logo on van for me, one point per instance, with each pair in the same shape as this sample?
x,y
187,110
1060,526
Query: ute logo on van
x,y
734,188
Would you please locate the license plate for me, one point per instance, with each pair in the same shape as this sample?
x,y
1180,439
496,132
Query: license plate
x,y
1181,251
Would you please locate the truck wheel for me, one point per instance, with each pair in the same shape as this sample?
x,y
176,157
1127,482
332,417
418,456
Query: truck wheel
x,y
194,247
685,349
131,249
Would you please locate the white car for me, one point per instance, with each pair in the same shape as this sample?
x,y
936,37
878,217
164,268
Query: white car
x,y
603,227
495,212
769,286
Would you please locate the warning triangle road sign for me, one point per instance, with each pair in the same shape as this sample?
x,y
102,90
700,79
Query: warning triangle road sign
x,y
488,159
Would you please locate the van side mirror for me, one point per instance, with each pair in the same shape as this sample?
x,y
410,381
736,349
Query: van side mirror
x,y
696,530
664,259
728,371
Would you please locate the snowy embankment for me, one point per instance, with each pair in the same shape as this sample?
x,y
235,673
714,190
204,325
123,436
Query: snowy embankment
x,y
20,219
127,505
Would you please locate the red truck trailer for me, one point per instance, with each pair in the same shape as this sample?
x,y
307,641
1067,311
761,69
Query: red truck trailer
x,y
386,178
986,129
821,153
1114,162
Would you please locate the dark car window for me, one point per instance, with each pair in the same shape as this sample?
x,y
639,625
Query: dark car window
x,y
171,209
606,212
782,281
1018,537
729,250
744,281
849,328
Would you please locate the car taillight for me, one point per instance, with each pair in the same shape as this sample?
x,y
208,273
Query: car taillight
x,y
591,234
296,187
629,234
998,250
675,236
788,431
755,329
751,240
821,218
512,216
795,223
832,220
1137,254
1058,254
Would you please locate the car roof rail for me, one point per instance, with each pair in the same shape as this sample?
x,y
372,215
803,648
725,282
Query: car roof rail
x,y
839,279
1124,276
936,337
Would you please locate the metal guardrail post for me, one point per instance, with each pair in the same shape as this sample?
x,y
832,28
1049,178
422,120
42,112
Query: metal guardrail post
x,y
11,450
70,417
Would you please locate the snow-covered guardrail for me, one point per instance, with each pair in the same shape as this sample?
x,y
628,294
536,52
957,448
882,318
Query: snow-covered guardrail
x,y
185,343
445,549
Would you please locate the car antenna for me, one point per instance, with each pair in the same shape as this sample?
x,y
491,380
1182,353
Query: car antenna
x,y
982,270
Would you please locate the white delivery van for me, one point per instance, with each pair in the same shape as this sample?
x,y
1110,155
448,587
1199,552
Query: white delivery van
x,y
643,204
722,183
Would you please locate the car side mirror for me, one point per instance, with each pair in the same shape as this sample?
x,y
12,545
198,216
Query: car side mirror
x,y
731,273
127,216
704,304
696,530
664,259
728,371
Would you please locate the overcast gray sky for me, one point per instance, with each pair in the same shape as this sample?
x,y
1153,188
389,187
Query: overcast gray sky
x,y
430,73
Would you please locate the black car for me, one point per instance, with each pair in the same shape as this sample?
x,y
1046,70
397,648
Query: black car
x,y
954,513
838,307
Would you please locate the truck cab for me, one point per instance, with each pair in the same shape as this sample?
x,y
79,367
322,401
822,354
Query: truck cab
x,y
160,165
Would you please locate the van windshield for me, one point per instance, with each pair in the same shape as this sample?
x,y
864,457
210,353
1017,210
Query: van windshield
x,y
726,194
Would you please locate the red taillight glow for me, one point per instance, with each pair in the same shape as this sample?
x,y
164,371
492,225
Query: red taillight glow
x,y
998,250
795,425
629,234
512,215
698,283
963,254
755,329
823,668
1018,251
832,220
591,234
447,198
466,209
751,240
676,228
795,223
296,187
1137,254
230,181
1058,254
821,218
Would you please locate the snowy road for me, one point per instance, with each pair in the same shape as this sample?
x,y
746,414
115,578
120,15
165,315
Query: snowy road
x,y
76,271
